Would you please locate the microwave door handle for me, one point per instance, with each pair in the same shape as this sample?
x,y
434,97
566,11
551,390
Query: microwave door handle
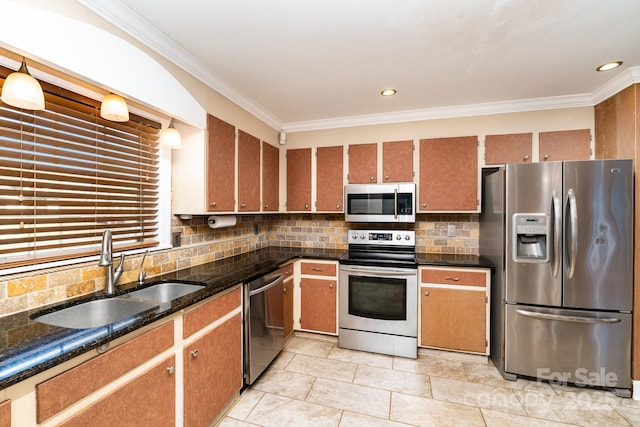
x,y
395,204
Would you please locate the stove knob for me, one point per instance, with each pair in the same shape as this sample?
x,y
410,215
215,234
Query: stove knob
x,y
407,237
362,236
354,236
398,237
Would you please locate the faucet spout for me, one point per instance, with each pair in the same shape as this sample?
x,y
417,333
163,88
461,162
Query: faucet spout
x,y
106,260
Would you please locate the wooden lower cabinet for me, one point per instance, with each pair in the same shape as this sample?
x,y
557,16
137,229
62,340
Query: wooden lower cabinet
x,y
287,300
454,309
212,372
147,400
318,305
5,414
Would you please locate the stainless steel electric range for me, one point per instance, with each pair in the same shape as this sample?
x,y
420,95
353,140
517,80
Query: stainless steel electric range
x,y
378,293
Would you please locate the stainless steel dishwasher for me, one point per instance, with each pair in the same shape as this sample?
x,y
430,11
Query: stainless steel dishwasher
x,y
263,324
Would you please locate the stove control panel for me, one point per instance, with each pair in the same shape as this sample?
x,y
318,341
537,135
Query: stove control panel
x,y
382,237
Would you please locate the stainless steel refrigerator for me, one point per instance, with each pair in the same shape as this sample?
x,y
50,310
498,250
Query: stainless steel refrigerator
x,y
560,235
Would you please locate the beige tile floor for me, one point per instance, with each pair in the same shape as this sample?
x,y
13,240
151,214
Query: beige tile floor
x,y
315,383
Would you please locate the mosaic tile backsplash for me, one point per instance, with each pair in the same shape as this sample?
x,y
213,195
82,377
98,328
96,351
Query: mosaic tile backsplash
x,y
200,244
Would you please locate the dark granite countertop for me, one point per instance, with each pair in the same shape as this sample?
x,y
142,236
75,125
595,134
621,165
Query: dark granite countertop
x,y
29,347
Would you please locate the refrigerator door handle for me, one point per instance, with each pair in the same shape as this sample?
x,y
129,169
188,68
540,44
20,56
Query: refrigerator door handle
x,y
556,211
576,319
572,250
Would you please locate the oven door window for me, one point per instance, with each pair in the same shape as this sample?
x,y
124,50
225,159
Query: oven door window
x,y
378,298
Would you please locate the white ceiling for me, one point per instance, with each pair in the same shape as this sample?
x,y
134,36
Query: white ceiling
x,y
304,64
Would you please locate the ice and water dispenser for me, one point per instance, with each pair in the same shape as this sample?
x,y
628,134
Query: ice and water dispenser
x,y
531,237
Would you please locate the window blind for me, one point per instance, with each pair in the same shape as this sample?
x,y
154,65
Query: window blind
x,y
66,175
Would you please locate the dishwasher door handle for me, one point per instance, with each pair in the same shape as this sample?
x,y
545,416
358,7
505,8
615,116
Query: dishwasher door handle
x,y
271,284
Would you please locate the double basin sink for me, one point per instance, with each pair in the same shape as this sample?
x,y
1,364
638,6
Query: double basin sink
x,y
100,312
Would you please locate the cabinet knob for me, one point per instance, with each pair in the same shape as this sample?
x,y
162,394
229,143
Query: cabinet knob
x,y
243,205
525,158
171,370
266,206
213,204
194,353
371,179
284,290
424,205
306,206
330,285
386,177
546,156
337,206
426,293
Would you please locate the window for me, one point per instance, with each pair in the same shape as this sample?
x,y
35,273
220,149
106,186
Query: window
x,y
66,175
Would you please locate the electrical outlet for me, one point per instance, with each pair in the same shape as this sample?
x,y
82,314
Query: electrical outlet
x,y
451,230
175,239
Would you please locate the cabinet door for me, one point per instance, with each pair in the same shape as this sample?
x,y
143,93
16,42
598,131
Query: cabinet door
x,y
248,172
512,148
299,179
221,152
565,145
147,400
287,300
5,414
397,161
270,177
212,373
363,163
329,179
318,305
449,174
453,319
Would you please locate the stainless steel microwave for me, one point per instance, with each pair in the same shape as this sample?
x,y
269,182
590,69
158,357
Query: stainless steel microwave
x,y
380,202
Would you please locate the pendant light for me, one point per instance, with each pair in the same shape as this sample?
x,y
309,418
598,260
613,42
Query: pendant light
x,y
21,90
170,137
114,108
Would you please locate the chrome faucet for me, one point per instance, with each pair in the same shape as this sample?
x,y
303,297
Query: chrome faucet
x,y
106,260
142,274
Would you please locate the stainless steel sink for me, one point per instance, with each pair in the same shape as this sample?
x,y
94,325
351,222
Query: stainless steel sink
x,y
92,314
164,292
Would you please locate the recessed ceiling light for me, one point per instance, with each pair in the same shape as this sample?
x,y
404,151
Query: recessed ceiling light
x,y
609,66
388,92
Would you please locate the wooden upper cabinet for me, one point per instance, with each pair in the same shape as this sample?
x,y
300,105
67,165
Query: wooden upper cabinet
x,y
248,172
329,178
510,148
299,179
449,174
270,177
221,153
397,161
565,145
363,163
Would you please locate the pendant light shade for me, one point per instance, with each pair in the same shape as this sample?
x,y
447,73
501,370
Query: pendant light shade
x,y
114,108
21,90
170,137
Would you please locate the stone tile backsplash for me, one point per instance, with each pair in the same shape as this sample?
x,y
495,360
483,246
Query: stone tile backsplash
x,y
200,244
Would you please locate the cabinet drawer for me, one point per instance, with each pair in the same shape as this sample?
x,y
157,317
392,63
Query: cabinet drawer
x,y
210,312
453,277
287,270
5,414
65,389
318,269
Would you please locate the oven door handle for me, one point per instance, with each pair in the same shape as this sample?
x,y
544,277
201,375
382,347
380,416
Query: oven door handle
x,y
395,204
382,271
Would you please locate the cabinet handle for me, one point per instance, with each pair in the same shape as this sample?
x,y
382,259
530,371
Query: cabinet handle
x,y
213,204
426,293
194,353
455,279
546,156
371,178
171,370
316,269
243,205
525,158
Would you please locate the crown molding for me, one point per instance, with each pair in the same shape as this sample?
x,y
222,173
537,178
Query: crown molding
x,y
623,80
482,109
131,23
